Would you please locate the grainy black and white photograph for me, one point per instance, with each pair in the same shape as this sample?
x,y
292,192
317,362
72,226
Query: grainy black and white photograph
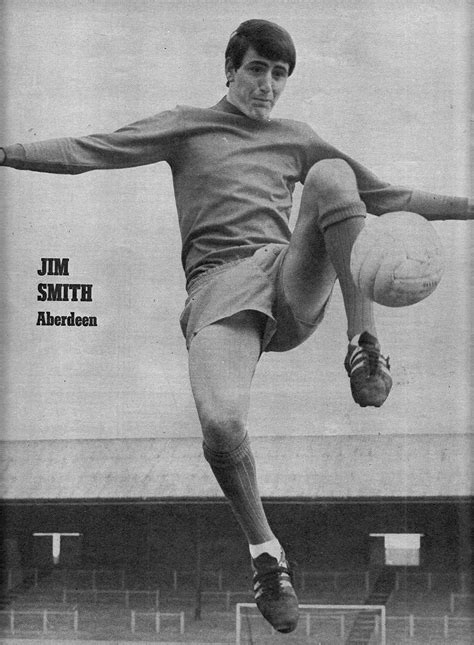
x,y
236,322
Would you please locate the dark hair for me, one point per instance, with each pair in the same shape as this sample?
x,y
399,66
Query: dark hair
x,y
267,38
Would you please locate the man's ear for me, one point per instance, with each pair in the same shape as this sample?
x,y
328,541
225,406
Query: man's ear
x,y
229,71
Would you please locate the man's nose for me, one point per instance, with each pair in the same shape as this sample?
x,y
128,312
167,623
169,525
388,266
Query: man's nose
x,y
266,82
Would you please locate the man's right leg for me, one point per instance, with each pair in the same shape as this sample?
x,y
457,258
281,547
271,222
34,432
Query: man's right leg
x,y
222,361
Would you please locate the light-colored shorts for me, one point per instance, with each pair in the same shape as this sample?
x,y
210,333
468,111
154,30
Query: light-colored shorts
x,y
252,283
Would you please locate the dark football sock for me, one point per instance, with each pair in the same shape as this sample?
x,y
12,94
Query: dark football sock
x,y
236,474
339,238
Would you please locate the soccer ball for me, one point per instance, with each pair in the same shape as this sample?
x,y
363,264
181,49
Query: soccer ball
x,y
397,259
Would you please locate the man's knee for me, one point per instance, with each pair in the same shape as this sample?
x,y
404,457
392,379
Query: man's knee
x,y
223,424
332,186
329,178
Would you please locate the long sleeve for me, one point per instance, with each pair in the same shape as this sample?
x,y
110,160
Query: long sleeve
x,y
440,207
432,206
147,141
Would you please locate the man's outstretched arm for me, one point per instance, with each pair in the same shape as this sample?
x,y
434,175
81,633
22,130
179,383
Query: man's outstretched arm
x,y
144,142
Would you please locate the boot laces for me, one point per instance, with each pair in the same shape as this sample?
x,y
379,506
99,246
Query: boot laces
x,y
273,582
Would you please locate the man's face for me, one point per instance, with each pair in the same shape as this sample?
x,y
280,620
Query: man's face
x,y
256,86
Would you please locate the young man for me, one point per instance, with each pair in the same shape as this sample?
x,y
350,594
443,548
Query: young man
x,y
252,285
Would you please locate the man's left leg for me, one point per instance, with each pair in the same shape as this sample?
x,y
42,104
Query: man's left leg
x,y
330,218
